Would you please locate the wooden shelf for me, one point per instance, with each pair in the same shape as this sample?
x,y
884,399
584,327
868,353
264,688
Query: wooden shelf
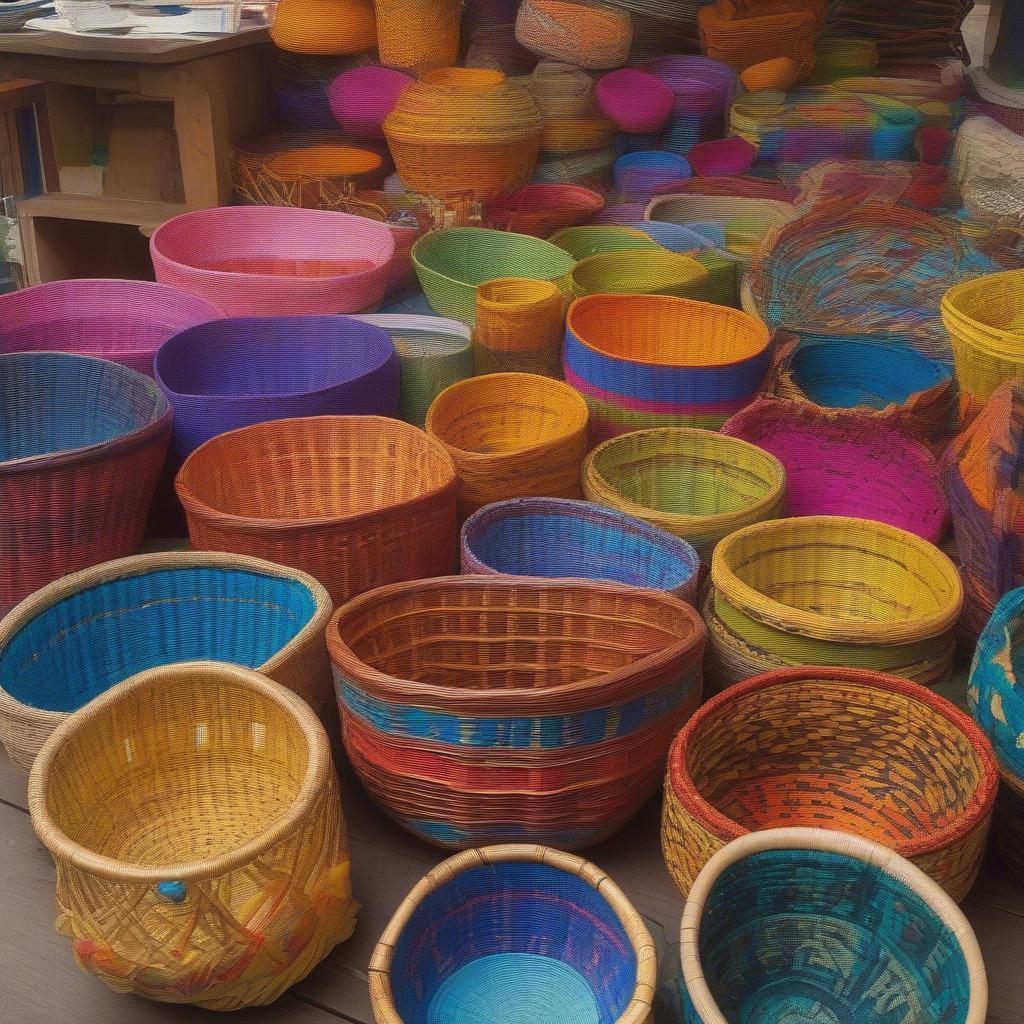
x,y
102,209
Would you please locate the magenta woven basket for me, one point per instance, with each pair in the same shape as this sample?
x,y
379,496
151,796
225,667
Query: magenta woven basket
x,y
276,260
845,464
123,321
635,100
361,98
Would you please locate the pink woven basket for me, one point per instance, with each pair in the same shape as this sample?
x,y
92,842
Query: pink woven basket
x,y
635,100
362,97
274,260
123,321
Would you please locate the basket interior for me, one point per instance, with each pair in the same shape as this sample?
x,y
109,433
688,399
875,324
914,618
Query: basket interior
x,y
96,637
995,301
185,769
513,941
795,935
471,256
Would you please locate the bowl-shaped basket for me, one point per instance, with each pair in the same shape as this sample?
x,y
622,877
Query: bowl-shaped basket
x,y
847,465
511,435
640,272
578,951
558,538
721,157
452,262
520,323
587,35
764,909
831,590
81,450
362,97
79,636
638,175
540,210
355,501
696,484
779,73
486,708
194,816
232,373
324,27
842,749
589,239
635,100
275,261
662,361
123,321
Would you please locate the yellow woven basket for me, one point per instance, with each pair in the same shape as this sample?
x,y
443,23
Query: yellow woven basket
x,y
325,26
519,327
640,272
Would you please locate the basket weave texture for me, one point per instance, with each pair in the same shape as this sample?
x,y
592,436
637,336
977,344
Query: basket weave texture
x,y
414,34
519,327
587,35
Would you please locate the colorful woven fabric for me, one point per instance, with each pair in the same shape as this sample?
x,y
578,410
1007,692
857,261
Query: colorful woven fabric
x,y
478,709
858,752
197,801
519,327
587,35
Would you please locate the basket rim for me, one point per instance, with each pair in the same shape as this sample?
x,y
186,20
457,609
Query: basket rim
x,y
978,808
64,848
417,322
843,843
639,1007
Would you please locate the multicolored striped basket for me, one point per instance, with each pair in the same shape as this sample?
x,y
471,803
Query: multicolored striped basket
x,y
831,590
85,633
194,816
558,538
231,373
517,926
696,484
483,708
81,449
660,361
355,501
520,323
843,749
587,35
806,924
123,321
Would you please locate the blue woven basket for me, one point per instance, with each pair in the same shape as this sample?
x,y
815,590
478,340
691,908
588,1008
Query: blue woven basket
x,y
232,373
557,537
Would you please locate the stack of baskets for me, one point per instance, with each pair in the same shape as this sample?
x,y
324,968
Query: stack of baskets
x,y
703,91
564,95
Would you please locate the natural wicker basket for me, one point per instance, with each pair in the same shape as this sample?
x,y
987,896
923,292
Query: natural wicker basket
x,y
79,636
587,35
355,501
561,90
418,34
519,327
842,749
194,817
446,685
592,168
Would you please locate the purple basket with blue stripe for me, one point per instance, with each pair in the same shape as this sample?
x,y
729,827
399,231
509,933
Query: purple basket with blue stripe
x,y
236,372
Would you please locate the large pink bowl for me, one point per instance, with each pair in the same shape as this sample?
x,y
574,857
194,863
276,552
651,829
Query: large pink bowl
x,y
635,100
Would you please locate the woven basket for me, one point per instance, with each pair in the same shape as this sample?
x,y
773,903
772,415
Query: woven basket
x,y
847,465
271,261
496,47
721,157
640,272
777,74
800,922
587,35
638,175
557,538
590,239
123,321
540,210
703,90
831,590
81,449
519,327
561,90
858,752
417,34
697,484
76,638
232,373
362,97
577,137
452,262
511,435
592,168
578,951
445,687
635,100
194,817
433,354
355,501
658,360
324,26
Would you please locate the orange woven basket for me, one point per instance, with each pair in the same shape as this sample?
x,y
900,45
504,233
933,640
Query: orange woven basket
x,y
587,35
519,326
418,33
325,26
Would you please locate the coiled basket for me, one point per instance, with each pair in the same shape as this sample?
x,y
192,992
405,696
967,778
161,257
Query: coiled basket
x,y
194,817
483,708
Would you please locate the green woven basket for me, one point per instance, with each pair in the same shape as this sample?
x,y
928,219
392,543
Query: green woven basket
x,y
591,239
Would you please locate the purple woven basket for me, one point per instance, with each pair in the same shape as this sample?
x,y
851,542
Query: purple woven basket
x,y
123,321
233,373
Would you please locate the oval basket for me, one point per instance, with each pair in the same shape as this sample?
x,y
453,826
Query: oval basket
x,y
355,501
640,272
361,97
540,210
198,801
587,35
445,685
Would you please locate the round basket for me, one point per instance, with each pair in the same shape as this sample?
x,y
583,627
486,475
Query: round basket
x,y
197,801
721,157
765,902
589,239
640,272
658,361
638,175
275,261
557,538
540,210
779,73
696,484
362,97
81,450
413,34
355,501
578,943
445,686
561,90
635,100
79,636
231,373
452,262
587,35
324,26
831,590
519,327
703,90
847,465
736,34
306,168
511,435
123,321
858,752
